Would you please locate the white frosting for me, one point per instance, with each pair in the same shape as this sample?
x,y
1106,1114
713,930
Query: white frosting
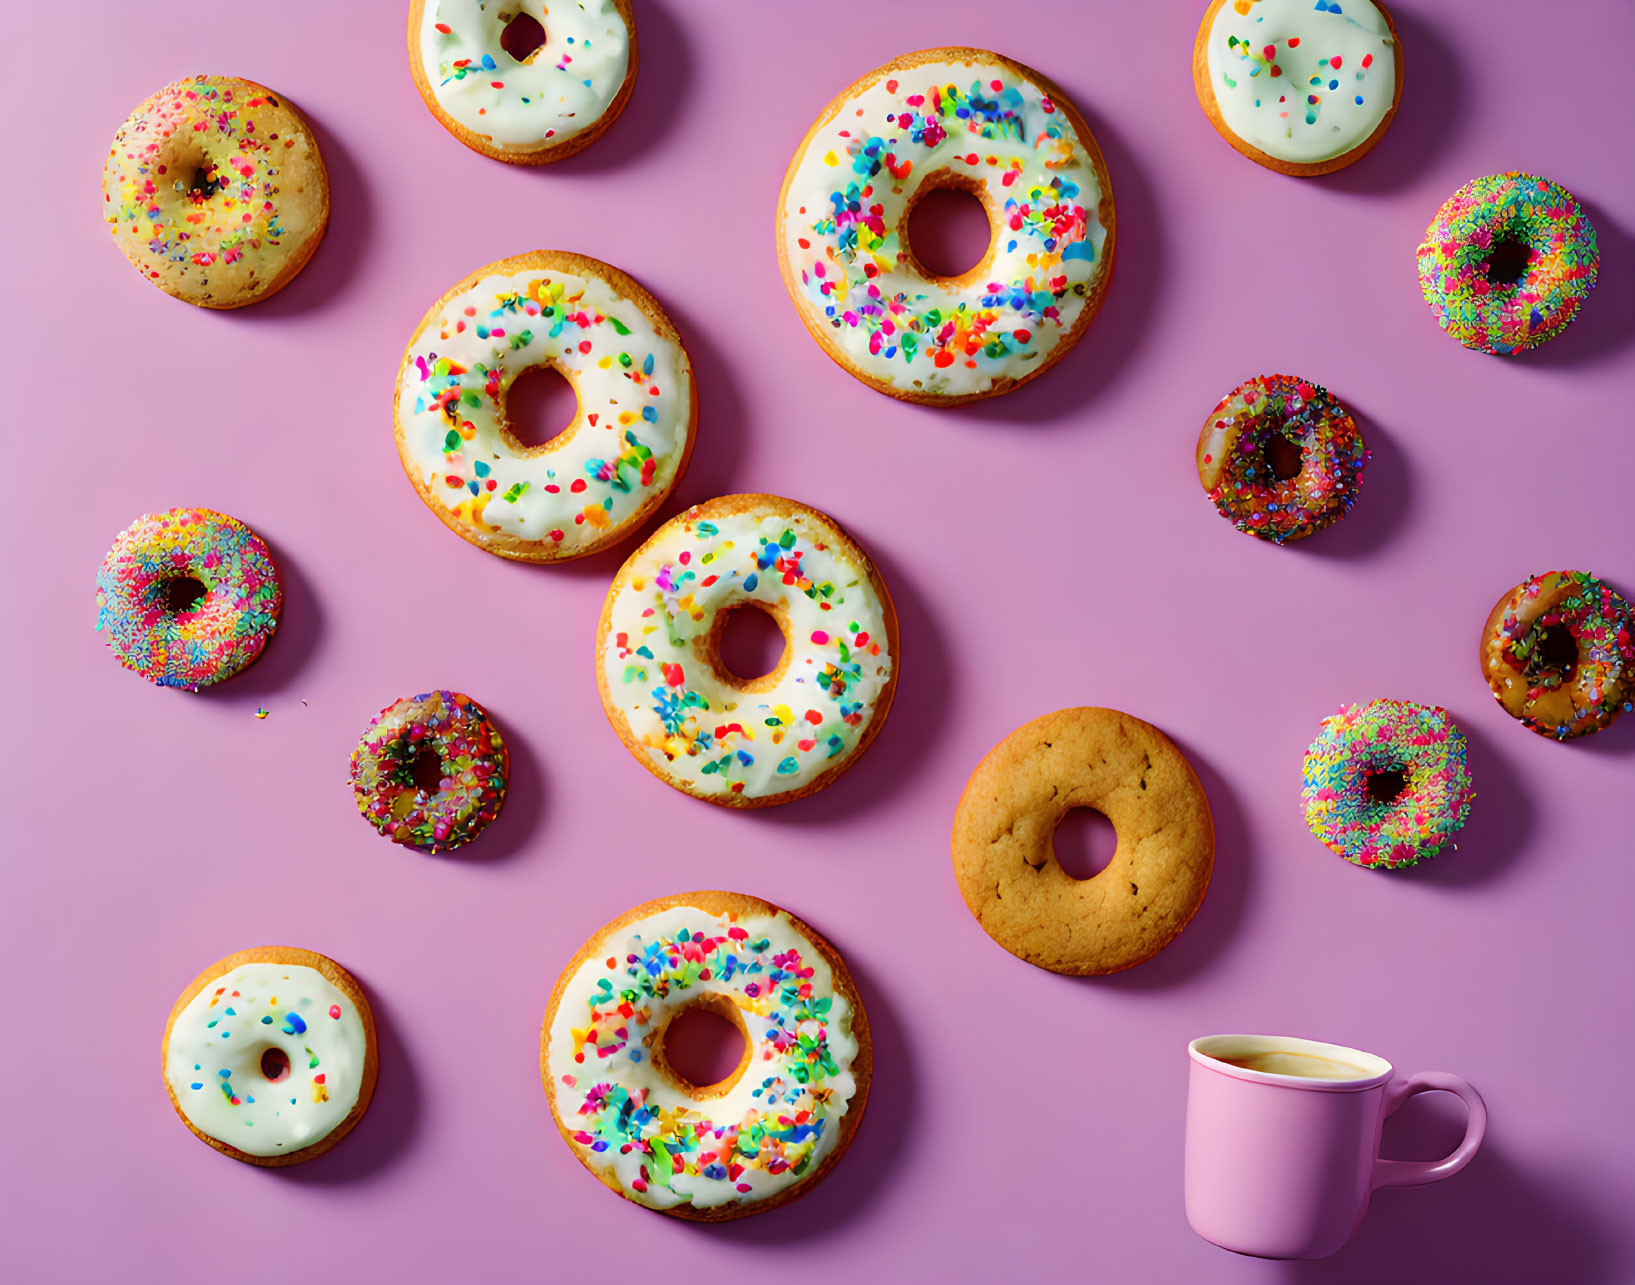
x,y
1327,81
562,90
594,1043
936,336
630,436
691,723
213,1058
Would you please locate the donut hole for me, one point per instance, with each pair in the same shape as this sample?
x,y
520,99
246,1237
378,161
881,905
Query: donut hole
x,y
1507,261
1384,784
1084,843
205,183
705,1043
182,594
947,230
1284,458
275,1064
426,770
749,644
1557,650
540,405
522,37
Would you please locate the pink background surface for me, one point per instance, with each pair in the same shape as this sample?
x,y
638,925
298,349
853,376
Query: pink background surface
x,y
1048,549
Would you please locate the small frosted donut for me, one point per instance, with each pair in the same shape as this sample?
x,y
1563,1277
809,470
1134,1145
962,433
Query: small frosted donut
x,y
1385,784
444,737
772,1129
1006,866
947,118
599,479
215,191
1281,458
270,1056
1558,651
524,81
1298,87
218,634
1507,262
711,733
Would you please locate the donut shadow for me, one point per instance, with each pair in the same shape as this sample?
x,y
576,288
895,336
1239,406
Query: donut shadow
x,y
1434,90
1217,920
514,828
1606,321
346,239
300,626
1108,347
842,1199
1383,500
382,1136
664,74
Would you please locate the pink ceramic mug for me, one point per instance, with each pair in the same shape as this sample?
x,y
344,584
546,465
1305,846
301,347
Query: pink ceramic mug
x,y
1283,1141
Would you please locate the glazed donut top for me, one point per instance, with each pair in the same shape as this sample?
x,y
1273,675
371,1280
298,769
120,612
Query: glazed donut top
x,y
561,90
664,1144
700,728
213,1058
628,441
974,122
1304,82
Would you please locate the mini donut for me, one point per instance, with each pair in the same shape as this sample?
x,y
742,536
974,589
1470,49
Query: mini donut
x,y
470,757
1507,262
598,480
213,637
1385,784
573,78
771,1130
1007,870
706,731
1558,651
1298,87
947,118
270,1055
1281,458
215,191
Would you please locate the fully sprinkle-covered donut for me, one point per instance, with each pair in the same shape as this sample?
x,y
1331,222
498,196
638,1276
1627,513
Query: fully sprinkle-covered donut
x,y
962,118
747,742
758,1139
217,635
1507,262
215,191
1385,784
448,737
1558,651
1281,458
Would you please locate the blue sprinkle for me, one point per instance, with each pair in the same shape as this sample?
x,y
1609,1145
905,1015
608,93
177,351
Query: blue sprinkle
x,y
267,1021
488,63
293,1025
650,414
788,767
751,582
1359,100
225,1074
195,1086
647,366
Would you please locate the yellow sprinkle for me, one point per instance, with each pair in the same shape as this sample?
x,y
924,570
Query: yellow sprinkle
x,y
829,158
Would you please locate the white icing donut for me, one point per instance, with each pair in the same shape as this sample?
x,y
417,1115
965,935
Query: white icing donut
x,y
215,1048
608,470
563,88
1303,82
946,118
649,1134
707,732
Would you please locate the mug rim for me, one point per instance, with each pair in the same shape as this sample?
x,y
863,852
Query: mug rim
x,y
1293,1043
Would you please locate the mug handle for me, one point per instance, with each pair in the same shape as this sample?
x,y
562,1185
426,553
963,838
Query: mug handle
x,y
1416,1173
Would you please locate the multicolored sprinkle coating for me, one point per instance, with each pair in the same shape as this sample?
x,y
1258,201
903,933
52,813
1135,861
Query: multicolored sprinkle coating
x,y
472,761
1239,473
1457,255
1416,749
1559,654
218,635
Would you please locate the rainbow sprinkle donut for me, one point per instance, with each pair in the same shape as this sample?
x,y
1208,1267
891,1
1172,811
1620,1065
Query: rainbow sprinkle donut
x,y
761,1137
1559,653
153,629
430,771
1281,458
1386,783
1507,261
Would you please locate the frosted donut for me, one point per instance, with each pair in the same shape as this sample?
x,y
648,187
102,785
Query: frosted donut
x,y
708,732
522,80
1302,88
760,1138
269,1055
960,118
215,191
214,636
595,482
